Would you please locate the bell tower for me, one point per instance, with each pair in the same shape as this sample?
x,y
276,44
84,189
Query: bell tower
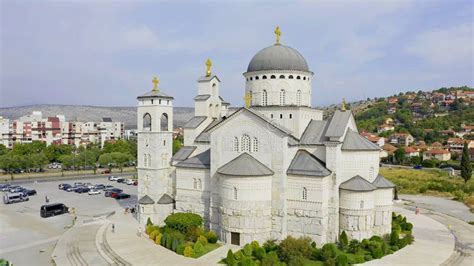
x,y
155,142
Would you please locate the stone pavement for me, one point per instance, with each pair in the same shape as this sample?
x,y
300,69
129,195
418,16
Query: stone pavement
x,y
433,245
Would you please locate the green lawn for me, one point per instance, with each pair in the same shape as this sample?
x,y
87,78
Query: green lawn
x,y
208,248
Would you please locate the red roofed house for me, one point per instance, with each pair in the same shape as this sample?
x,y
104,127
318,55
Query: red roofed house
x,y
401,139
411,151
373,138
457,144
438,154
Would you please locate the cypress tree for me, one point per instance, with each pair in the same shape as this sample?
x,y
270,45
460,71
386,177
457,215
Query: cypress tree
x,y
466,169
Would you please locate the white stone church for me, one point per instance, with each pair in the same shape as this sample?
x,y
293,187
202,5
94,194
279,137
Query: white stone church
x,y
265,171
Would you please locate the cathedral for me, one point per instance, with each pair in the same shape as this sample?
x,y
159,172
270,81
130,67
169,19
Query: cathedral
x,y
267,170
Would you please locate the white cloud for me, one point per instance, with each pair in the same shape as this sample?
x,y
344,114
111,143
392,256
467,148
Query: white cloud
x,y
451,46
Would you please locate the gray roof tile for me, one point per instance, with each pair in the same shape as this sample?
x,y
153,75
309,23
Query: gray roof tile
x,y
194,122
202,161
183,153
314,132
382,182
205,136
338,123
155,94
355,142
165,199
357,183
245,165
207,78
146,200
305,163
202,97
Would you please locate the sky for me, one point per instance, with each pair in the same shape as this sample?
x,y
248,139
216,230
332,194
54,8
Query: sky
x,y
105,53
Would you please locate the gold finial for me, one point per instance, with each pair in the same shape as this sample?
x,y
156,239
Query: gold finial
x,y
208,66
248,99
277,35
155,83
343,107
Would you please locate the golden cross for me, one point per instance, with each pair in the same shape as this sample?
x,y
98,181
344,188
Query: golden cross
x,y
248,99
343,107
208,66
155,83
277,34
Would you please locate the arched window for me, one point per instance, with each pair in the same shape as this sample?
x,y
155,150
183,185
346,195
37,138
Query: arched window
x,y
298,97
164,122
305,193
282,97
298,77
235,193
199,183
147,122
194,183
245,143
282,76
362,204
235,144
264,98
255,145
159,101
145,160
290,77
272,77
256,78
152,101
214,89
251,78
164,142
264,77
149,159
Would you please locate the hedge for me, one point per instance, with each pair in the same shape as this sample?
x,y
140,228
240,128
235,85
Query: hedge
x,y
183,221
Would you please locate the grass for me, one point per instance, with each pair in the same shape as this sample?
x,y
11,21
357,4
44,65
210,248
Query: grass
x,y
208,248
57,173
431,182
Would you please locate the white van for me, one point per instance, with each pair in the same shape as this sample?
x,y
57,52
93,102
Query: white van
x,y
14,197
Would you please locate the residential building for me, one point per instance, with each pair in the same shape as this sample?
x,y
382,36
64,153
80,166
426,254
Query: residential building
x,y
438,154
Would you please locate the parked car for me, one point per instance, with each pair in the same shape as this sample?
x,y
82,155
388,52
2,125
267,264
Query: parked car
x,y
29,192
129,182
66,186
94,192
120,180
107,171
114,194
82,190
53,210
113,178
108,192
71,188
135,183
122,196
108,186
418,167
61,186
5,187
14,197
100,186
16,189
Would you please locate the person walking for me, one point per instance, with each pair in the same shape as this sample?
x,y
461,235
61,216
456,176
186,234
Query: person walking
x,y
113,228
417,210
46,199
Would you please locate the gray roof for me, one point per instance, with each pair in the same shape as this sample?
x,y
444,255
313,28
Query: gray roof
x,y
314,132
382,182
165,199
106,119
224,102
146,200
183,153
205,136
207,78
338,124
278,57
357,183
245,165
202,161
194,122
305,163
155,94
202,97
355,142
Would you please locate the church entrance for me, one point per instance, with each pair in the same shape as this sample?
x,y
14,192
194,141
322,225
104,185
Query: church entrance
x,y
235,238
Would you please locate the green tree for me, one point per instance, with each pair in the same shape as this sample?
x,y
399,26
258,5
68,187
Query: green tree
x,y
400,155
37,160
53,152
68,161
88,158
466,168
10,162
3,149
106,160
121,159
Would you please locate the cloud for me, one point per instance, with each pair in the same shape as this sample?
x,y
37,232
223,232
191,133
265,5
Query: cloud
x,y
448,46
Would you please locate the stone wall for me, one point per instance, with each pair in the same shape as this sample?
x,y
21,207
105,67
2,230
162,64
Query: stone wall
x,y
356,214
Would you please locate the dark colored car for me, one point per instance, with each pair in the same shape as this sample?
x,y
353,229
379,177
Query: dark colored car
x,y
108,192
114,194
82,190
122,196
135,183
66,186
53,210
417,167
100,186
29,192
120,180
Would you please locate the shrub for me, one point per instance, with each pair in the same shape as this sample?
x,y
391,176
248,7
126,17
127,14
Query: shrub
x,y
148,222
177,235
183,221
354,246
198,248
174,244
297,261
163,239
343,240
341,260
375,249
248,250
271,259
316,254
149,229
255,245
247,262
259,253
168,241
158,239
376,239
394,237
180,249
153,234
211,237
364,244
270,245
328,251
294,247
202,239
194,233
230,258
407,226
238,255
188,252
356,259
385,248
368,257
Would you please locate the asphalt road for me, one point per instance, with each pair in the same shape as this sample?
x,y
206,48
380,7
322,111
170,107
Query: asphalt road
x,y
65,178
28,239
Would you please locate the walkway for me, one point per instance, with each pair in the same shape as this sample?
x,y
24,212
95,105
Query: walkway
x,y
433,244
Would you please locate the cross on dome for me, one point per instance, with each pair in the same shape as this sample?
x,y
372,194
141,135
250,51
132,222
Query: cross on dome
x,y
155,82
277,35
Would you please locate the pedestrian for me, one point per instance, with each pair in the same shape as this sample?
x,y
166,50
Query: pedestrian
x,y
139,231
113,228
46,199
417,210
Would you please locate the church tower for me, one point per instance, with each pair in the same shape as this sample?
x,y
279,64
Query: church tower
x,y
155,142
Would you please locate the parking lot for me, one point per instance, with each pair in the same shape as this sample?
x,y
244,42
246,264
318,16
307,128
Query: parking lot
x,y
28,239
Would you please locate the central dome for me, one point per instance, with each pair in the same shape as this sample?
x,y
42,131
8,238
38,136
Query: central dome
x,y
278,57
